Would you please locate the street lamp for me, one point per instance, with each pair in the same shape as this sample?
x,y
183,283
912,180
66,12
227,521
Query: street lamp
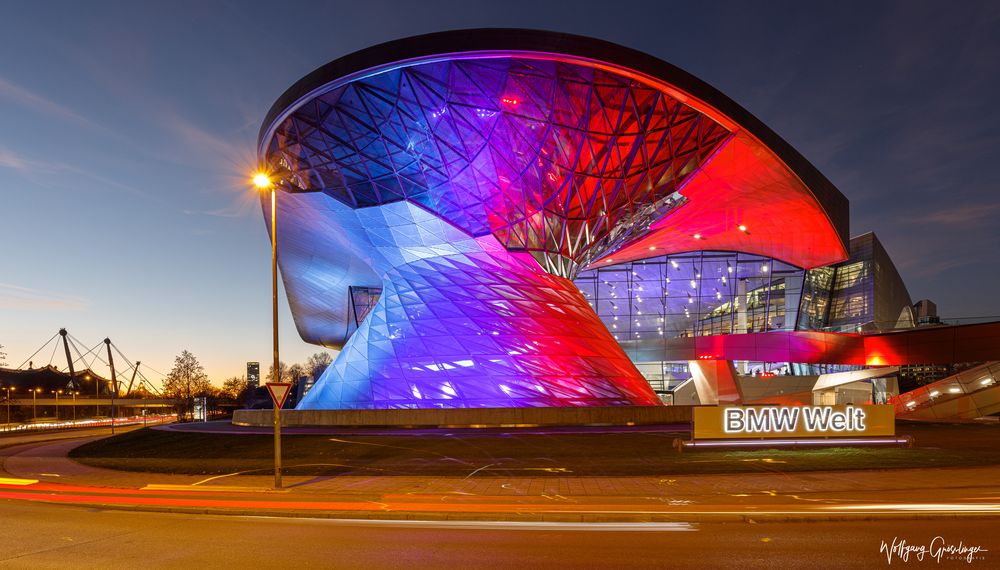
x,y
75,394
34,401
9,390
263,183
97,394
57,392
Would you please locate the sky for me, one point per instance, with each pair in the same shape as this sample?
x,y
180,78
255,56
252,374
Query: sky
x,y
127,134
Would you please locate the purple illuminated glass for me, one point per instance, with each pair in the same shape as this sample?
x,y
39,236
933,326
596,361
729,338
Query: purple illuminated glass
x,y
470,191
563,160
461,322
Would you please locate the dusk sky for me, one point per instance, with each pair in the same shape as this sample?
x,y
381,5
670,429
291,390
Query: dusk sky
x,y
127,133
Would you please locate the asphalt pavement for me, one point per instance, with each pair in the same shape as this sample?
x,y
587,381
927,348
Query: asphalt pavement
x,y
47,536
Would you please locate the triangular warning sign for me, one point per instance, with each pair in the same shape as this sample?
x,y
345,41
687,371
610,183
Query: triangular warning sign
x,y
279,391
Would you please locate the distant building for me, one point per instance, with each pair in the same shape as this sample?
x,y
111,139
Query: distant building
x,y
914,375
253,375
304,385
925,311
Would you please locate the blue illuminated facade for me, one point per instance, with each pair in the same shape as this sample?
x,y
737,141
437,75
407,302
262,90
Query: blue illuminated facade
x,y
443,202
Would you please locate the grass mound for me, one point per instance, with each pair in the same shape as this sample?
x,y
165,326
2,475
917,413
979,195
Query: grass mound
x,y
507,453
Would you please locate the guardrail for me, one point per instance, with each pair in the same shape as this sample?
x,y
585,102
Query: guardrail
x,y
873,327
94,422
958,386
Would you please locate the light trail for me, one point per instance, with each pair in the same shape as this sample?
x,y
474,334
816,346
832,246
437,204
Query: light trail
x,y
518,525
263,501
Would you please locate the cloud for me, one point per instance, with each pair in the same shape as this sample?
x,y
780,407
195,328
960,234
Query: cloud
x,y
179,138
973,214
46,106
191,136
16,297
217,213
243,204
10,160
55,173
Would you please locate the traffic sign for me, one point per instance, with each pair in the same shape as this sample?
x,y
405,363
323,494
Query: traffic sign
x,y
279,392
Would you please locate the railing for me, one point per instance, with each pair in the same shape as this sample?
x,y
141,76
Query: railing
x,y
875,327
957,385
94,422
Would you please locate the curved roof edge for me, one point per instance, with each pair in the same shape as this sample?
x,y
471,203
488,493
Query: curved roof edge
x,y
830,198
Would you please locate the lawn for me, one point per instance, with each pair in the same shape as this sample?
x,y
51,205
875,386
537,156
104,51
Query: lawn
x,y
511,453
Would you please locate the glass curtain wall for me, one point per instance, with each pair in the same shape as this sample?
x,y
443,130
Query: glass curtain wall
x,y
701,293
693,294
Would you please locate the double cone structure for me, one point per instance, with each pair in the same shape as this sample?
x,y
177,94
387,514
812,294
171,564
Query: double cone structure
x,y
439,193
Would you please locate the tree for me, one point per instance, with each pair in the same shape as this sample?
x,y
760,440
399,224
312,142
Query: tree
x,y
235,388
318,363
295,372
282,373
186,380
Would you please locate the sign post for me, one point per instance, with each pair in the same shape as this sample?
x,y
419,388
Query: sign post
x,y
201,409
279,392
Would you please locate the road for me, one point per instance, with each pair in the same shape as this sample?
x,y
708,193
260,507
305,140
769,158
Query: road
x,y
39,471
48,536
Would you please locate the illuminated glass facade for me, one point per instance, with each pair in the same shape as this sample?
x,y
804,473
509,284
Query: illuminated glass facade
x,y
701,293
562,160
714,293
865,293
443,202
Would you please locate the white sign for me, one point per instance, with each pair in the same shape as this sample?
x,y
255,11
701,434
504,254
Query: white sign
x,y
721,422
774,419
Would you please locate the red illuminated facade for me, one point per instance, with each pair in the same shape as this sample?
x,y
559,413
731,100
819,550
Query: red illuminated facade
x,y
466,178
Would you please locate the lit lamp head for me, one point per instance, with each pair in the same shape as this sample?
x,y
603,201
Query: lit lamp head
x,y
262,181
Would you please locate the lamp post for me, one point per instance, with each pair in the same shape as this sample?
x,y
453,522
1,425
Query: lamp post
x,y
75,393
34,402
263,182
9,390
112,384
57,392
97,393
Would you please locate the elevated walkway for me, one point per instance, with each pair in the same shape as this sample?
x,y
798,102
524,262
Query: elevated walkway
x,y
970,394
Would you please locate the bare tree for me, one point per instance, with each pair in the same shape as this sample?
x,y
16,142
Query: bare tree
x,y
318,363
282,373
186,380
295,372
